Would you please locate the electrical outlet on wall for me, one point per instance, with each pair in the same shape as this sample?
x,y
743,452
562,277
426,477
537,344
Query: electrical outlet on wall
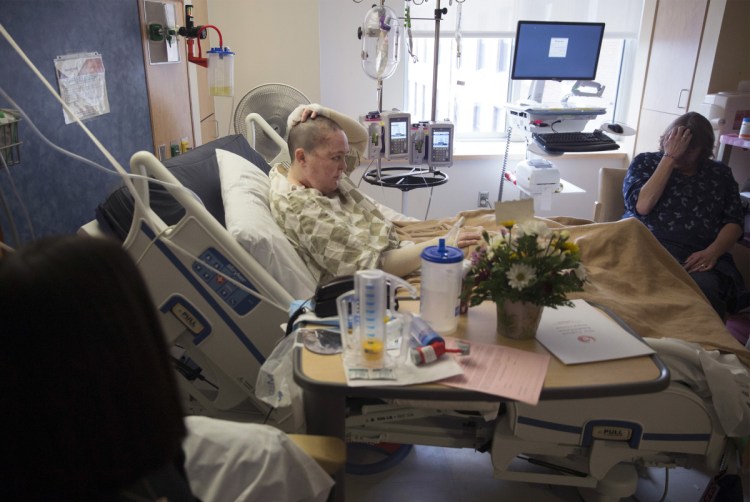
x,y
483,200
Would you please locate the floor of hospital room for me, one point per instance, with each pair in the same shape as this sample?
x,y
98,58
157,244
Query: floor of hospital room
x,y
461,475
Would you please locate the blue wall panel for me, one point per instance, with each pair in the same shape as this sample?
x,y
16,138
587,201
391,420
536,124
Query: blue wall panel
x,y
59,193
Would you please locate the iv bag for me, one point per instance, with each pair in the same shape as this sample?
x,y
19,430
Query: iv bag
x,y
381,35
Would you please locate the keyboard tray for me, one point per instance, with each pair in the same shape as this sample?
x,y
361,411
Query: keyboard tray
x,y
595,141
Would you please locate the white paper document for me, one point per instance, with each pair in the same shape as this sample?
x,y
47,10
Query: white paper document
x,y
585,334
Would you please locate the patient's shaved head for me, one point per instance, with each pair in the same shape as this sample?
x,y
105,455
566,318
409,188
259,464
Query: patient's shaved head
x,y
310,134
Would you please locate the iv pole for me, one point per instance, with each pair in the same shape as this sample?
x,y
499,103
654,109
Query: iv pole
x,y
442,178
438,17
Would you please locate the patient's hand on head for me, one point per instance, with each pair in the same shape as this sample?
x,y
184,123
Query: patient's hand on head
x,y
304,112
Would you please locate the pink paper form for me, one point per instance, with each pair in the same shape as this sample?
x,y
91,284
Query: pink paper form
x,y
502,371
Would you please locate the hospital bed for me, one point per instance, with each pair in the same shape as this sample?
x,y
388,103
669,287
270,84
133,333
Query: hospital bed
x,y
221,309
224,334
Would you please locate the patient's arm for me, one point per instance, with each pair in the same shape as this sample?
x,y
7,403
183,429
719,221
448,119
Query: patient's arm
x,y
407,259
390,214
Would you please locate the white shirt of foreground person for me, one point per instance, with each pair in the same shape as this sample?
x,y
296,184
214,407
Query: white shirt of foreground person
x,y
232,461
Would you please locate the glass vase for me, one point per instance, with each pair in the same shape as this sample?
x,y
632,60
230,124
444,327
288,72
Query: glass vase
x,y
518,320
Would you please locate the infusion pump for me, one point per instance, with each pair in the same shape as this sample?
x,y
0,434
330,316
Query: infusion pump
x,y
439,144
393,137
389,134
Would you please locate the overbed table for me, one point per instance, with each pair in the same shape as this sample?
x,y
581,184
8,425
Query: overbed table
x,y
322,376
325,390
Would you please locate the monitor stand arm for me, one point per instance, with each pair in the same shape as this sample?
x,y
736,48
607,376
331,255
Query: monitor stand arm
x,y
536,91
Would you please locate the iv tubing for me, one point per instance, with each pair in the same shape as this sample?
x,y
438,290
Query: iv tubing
x,y
203,28
435,61
132,176
126,177
65,106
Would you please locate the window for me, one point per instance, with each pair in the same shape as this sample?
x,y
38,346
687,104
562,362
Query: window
x,y
474,88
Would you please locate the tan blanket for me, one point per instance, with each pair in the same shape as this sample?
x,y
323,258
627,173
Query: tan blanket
x,y
630,273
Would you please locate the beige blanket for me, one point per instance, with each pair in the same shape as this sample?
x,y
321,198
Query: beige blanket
x,y
631,274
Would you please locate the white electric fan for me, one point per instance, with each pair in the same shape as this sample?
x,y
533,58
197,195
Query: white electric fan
x,y
261,117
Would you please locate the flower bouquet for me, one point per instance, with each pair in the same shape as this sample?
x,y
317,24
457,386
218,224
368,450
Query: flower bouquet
x,y
524,270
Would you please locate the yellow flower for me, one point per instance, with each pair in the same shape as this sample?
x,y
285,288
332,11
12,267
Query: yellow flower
x,y
570,247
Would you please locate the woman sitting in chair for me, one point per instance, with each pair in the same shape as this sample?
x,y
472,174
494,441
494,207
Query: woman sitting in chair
x,y
92,408
692,206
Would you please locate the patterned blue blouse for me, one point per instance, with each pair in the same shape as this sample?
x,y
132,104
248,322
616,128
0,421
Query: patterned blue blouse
x,y
692,210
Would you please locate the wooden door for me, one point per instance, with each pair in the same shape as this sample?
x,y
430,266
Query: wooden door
x,y
669,80
674,53
168,91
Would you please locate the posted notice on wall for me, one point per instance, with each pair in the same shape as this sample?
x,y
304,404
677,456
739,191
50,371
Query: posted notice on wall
x,y
80,79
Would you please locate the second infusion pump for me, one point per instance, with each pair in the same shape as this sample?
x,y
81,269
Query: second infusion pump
x,y
439,144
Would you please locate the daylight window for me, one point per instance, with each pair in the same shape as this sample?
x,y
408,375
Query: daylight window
x,y
474,87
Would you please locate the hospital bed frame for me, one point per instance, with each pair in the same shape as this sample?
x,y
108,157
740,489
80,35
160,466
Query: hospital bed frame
x,y
220,329
200,277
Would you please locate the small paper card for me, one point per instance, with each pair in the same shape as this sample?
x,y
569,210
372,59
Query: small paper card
x,y
514,210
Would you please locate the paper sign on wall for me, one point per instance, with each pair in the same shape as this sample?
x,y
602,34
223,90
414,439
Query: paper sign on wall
x,y
80,78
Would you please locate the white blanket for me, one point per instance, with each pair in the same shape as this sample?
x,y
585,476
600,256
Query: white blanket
x,y
231,461
721,380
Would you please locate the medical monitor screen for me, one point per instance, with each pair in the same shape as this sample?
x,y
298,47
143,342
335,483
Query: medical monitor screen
x,y
556,51
398,129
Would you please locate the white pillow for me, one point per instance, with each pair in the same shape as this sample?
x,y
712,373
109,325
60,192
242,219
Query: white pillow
x,y
244,189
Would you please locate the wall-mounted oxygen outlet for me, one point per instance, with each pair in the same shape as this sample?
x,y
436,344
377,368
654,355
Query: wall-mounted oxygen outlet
x,y
483,200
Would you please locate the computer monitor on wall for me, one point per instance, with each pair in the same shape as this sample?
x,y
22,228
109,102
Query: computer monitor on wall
x,y
548,50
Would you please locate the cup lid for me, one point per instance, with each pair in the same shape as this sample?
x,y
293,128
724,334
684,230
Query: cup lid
x,y
222,51
442,253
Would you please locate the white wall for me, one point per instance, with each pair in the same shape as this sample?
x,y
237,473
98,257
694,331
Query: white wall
x,y
274,42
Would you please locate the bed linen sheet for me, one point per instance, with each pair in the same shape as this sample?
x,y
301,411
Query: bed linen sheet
x,y
629,273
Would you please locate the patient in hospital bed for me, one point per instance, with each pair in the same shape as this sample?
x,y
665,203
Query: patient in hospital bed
x,y
94,411
334,227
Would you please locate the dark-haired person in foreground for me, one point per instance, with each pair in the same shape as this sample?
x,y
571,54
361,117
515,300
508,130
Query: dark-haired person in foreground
x,y
92,410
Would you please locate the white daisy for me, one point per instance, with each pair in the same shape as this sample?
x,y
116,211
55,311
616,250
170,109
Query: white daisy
x,y
534,227
520,275
581,272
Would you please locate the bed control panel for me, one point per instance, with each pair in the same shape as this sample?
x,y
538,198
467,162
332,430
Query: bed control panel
x,y
214,269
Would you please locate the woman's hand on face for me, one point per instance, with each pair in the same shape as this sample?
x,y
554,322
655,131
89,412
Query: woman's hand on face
x,y
677,142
